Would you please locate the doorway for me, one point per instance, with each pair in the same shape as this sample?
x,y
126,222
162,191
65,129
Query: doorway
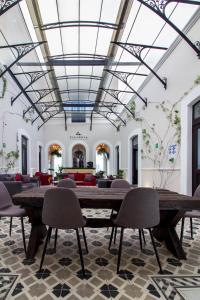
x,y
24,154
196,146
134,145
79,156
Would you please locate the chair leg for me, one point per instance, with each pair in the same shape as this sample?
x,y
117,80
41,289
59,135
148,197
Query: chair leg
x,y
182,230
111,237
140,238
85,241
115,235
155,250
191,228
120,250
10,231
23,234
45,248
80,252
144,240
55,240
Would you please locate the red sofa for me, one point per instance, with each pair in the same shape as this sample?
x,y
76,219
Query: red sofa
x,y
45,178
85,179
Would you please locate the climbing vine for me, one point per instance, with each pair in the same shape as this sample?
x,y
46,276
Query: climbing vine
x,y
161,146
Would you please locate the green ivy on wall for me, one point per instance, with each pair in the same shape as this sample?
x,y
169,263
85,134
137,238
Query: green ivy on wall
x,y
157,143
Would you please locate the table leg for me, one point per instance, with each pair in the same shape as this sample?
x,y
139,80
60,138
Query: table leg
x,y
38,231
166,231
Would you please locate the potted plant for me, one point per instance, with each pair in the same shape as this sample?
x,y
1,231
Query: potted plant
x,y
55,153
120,174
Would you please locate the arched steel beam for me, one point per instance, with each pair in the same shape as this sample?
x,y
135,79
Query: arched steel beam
x,y
34,76
78,91
159,6
42,93
78,55
79,23
46,110
117,127
24,93
115,95
22,50
5,5
93,77
51,116
123,76
136,50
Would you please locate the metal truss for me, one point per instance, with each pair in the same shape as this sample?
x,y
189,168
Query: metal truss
x,y
5,5
45,110
22,50
123,76
107,118
115,95
79,23
24,93
77,56
34,76
136,50
53,114
42,93
93,77
79,91
159,8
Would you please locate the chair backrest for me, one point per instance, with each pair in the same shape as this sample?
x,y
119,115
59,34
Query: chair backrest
x,y
67,183
5,198
139,209
61,209
120,183
197,192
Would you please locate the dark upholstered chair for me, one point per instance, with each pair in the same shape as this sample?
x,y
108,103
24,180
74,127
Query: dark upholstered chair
x,y
190,214
120,184
139,209
61,210
8,209
67,183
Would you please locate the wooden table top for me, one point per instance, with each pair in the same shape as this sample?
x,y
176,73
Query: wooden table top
x,y
93,197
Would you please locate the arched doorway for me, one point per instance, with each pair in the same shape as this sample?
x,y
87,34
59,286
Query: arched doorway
x,y
102,158
54,158
79,156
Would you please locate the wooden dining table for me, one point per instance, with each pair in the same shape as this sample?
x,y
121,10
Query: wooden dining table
x,y
172,208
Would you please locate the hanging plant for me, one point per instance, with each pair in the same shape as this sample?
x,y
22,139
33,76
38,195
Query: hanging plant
x,y
55,153
102,151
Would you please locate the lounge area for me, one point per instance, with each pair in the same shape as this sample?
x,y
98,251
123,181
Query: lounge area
x,y
100,150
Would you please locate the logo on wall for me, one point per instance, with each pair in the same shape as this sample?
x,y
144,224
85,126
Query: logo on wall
x,y
78,136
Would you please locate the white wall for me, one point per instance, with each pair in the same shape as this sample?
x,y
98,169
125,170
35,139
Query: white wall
x,y
181,67
15,126
54,132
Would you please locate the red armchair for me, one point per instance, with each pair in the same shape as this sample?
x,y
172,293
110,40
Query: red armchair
x,y
45,178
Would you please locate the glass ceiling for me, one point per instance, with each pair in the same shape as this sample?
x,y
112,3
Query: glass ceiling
x,y
79,50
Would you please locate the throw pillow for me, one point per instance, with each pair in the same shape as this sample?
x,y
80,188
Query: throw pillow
x,y
71,176
88,177
18,177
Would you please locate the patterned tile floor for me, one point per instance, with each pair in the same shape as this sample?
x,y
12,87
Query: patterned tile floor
x,y
61,277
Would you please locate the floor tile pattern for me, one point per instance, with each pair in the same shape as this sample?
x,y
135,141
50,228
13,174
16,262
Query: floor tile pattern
x,y
61,277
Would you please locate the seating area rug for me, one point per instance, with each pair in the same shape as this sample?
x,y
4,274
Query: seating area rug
x,y
61,276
